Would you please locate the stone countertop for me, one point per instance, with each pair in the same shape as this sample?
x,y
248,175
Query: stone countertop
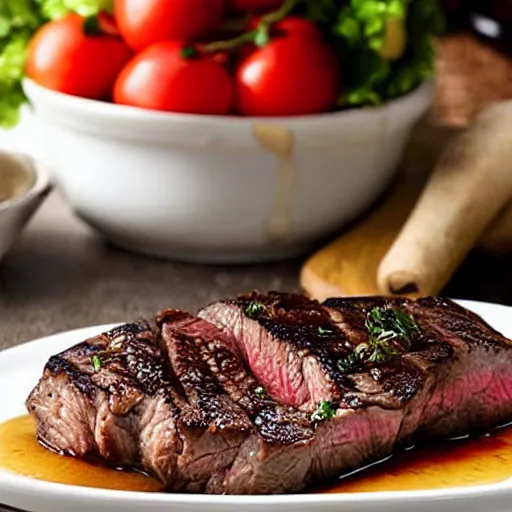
x,y
60,275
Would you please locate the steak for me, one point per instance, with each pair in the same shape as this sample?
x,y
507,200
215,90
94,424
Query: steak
x,y
261,437
452,377
109,398
270,393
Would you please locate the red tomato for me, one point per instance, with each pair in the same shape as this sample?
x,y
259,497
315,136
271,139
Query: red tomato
x,y
62,57
161,78
145,22
290,25
296,25
254,5
292,75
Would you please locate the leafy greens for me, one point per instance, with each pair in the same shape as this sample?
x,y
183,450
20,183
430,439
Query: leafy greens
x,y
19,19
387,46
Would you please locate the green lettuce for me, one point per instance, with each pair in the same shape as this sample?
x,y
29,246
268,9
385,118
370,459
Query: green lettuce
x,y
19,20
359,30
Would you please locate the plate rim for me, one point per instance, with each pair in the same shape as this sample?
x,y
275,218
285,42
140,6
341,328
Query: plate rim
x,y
19,483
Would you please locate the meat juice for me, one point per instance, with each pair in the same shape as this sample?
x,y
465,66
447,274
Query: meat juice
x,y
463,463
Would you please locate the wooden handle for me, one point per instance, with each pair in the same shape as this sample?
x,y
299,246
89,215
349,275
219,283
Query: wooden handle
x,y
470,186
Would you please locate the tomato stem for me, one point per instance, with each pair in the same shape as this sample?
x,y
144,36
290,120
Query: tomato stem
x,y
252,36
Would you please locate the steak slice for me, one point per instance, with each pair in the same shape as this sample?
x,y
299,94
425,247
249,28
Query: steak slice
x,y
109,398
294,345
254,441
473,390
212,426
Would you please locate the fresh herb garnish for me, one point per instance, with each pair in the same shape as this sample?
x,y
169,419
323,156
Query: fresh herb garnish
x,y
323,412
323,331
260,392
254,309
390,331
96,363
387,324
353,358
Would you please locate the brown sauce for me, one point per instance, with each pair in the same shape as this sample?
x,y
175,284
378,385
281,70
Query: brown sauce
x,y
455,464
22,454
464,463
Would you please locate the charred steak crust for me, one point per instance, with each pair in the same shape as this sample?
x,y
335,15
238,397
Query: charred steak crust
x,y
269,393
230,405
109,397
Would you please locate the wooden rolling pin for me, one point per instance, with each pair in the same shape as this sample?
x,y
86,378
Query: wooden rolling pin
x,y
464,204
469,188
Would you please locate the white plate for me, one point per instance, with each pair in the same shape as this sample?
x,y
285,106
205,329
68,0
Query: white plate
x,y
21,367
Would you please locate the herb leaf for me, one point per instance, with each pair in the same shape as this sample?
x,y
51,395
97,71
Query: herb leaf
x,y
389,330
254,310
96,363
323,412
260,392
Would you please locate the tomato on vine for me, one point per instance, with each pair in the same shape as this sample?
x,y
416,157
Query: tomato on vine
x,y
174,77
145,22
64,57
292,75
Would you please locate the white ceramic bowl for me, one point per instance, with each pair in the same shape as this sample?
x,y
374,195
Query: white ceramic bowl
x,y
221,189
23,186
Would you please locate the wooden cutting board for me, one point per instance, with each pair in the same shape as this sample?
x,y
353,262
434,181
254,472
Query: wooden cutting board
x,y
348,266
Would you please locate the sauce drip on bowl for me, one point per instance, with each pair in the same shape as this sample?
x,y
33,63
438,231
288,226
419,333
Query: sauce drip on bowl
x,y
22,454
454,464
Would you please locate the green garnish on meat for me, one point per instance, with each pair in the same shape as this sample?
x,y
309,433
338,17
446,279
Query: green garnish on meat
x,y
390,331
96,363
323,412
255,309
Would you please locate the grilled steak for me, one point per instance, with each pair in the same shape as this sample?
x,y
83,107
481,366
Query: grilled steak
x,y
109,397
450,377
273,392
252,439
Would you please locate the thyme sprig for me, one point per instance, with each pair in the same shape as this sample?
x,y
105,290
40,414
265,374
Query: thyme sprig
x,y
390,331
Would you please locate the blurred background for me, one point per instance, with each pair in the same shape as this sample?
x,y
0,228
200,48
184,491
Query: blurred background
x,y
479,37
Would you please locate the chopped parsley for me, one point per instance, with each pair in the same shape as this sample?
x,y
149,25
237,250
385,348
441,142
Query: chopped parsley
x,y
96,363
323,412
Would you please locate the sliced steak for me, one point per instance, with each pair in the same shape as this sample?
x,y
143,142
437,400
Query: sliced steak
x,y
473,390
249,439
453,358
271,393
287,342
294,346
212,426
109,398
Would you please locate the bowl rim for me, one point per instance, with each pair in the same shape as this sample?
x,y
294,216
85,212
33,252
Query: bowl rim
x,y
127,113
40,186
